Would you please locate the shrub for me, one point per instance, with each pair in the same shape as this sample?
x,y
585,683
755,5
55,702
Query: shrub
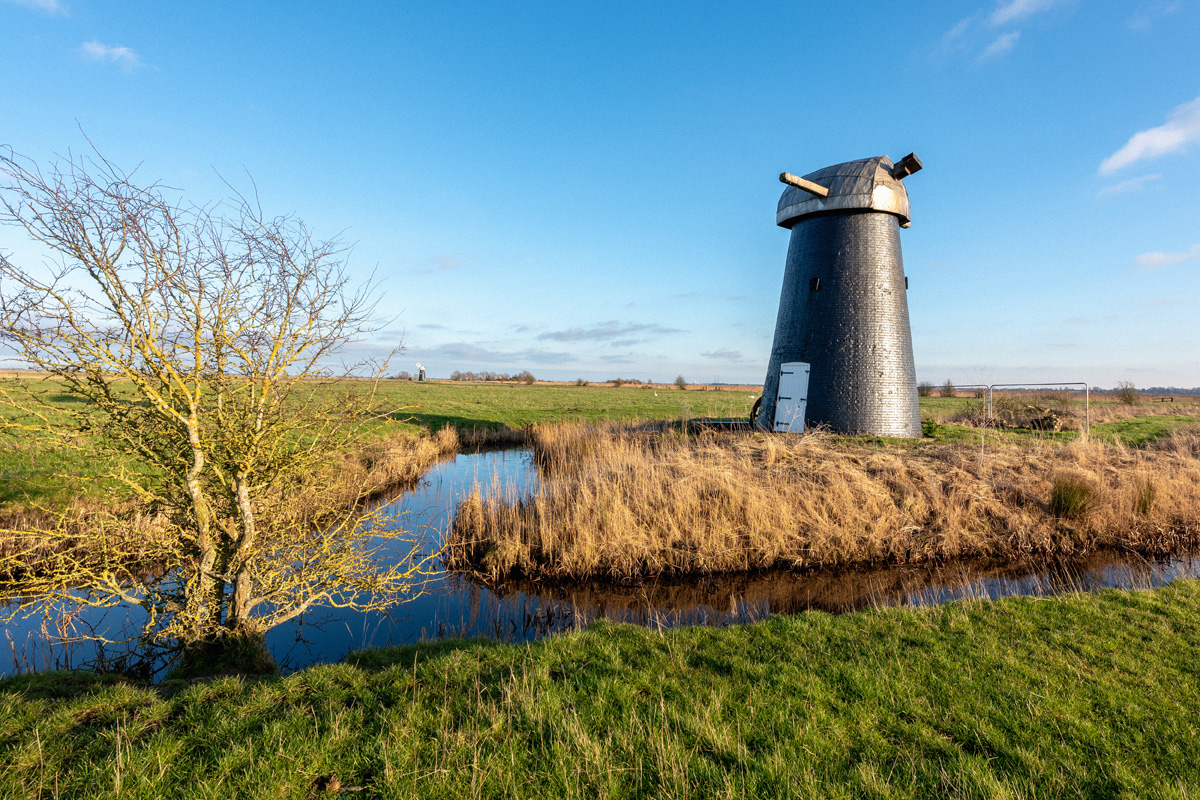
x,y
1127,393
526,378
681,382
948,388
580,382
924,389
1072,498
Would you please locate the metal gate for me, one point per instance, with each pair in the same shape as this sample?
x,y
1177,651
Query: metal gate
x,y
792,397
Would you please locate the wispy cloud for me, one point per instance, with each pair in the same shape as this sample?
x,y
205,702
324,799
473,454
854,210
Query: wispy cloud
x,y
1004,43
728,355
1160,302
993,34
454,355
1156,260
439,264
1019,11
1093,321
1181,129
432,326
120,55
959,29
608,330
49,6
1148,13
1131,185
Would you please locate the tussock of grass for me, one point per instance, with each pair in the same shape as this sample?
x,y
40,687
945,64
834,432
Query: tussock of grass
x,y
622,503
1073,498
1145,491
1080,696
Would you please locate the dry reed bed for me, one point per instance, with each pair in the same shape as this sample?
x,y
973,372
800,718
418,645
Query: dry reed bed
x,y
623,503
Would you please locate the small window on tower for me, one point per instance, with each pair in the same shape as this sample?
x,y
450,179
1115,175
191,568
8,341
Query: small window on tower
x,y
814,284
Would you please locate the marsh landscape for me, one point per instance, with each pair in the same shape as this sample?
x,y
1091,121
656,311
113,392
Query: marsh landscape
x,y
599,400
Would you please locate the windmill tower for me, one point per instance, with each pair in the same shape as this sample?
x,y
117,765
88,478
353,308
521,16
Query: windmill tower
x,y
843,311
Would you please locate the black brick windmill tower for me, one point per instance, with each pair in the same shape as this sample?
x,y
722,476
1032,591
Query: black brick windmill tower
x,y
843,312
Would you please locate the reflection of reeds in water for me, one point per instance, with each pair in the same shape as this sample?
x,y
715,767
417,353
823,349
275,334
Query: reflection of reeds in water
x,y
622,503
522,609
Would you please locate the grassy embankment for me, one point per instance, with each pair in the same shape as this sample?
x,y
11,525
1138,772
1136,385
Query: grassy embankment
x,y
626,502
1083,695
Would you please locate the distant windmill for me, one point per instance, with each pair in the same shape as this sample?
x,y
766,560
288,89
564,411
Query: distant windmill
x,y
420,372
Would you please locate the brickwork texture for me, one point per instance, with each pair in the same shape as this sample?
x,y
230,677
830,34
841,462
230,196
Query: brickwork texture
x,y
850,324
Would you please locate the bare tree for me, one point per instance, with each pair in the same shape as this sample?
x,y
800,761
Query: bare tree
x,y
199,339
1127,392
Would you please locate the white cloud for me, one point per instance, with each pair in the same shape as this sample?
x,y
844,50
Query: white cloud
x,y
1180,130
1018,10
440,264
470,355
1003,43
731,355
958,31
1143,21
1166,302
1149,261
969,33
122,56
1131,185
608,330
49,6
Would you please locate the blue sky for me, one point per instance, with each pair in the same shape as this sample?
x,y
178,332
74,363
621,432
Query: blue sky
x,y
589,189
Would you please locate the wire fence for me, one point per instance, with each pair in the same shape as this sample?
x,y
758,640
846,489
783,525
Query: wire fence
x,y
992,387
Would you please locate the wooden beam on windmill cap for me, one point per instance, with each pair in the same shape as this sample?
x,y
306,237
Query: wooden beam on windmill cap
x,y
906,166
801,183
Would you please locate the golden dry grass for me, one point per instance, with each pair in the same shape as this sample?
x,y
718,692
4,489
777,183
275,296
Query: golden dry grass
x,y
622,502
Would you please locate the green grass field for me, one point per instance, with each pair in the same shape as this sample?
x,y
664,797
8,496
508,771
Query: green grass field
x,y
33,471
1081,696
484,405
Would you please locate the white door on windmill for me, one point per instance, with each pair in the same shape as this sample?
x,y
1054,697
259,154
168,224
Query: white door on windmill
x,y
792,397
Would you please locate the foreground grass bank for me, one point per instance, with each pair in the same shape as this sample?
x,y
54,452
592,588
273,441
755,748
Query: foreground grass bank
x,y
1086,695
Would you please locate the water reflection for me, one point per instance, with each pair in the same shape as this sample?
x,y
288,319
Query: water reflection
x,y
734,599
455,606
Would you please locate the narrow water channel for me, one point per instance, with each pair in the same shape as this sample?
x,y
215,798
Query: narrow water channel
x,y
455,606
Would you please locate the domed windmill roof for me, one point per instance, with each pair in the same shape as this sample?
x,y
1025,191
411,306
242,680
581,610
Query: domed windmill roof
x,y
869,184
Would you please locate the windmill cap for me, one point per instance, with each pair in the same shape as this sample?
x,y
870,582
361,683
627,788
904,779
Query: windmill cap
x,y
868,184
